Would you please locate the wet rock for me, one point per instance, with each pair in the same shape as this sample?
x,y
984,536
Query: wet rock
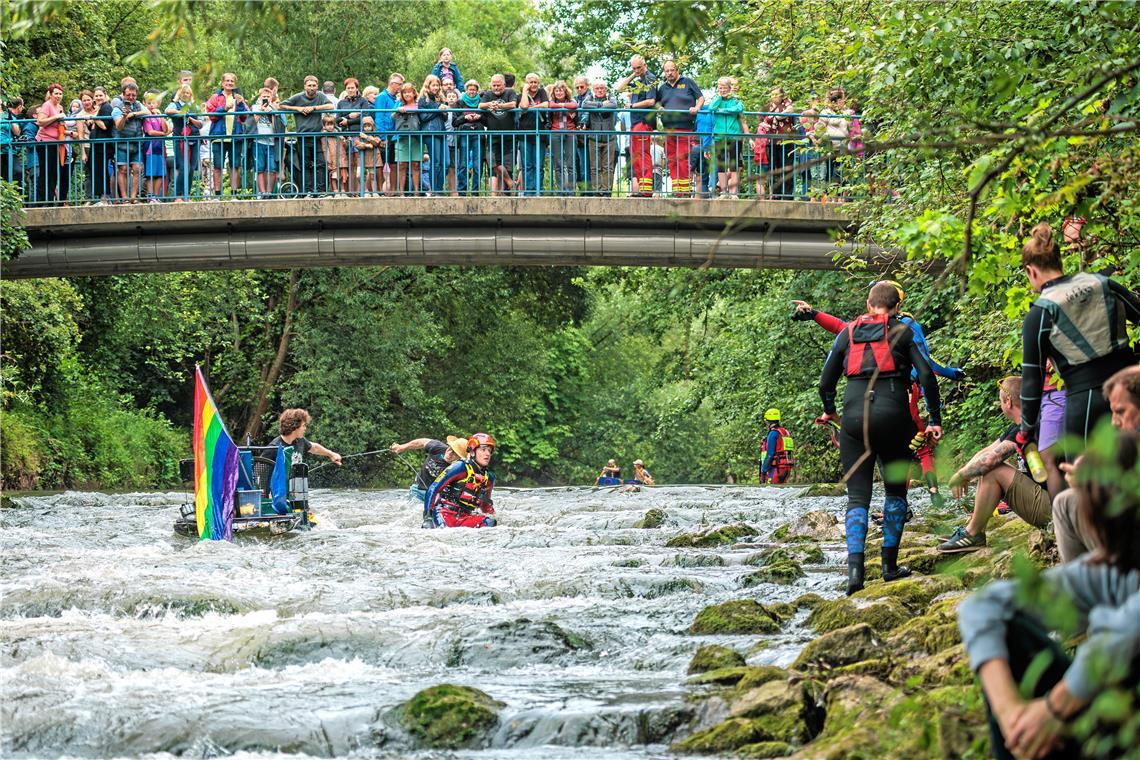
x,y
729,676
654,518
713,656
634,562
764,749
739,616
783,573
1042,548
933,628
923,560
744,677
817,525
948,667
805,553
759,675
823,489
881,614
450,717
809,600
779,708
841,647
914,593
516,642
853,699
783,611
698,560
726,534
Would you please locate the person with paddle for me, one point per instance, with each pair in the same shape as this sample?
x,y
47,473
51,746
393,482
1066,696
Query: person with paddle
x,y
438,456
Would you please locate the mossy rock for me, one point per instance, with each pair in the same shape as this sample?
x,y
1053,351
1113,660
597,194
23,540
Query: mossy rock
x,y
913,593
942,637
450,717
913,636
949,667
880,668
654,518
698,560
823,489
817,525
856,700
726,534
784,611
803,553
779,707
812,555
635,562
764,749
758,675
738,616
783,573
729,676
881,614
920,559
809,600
714,656
844,646
724,737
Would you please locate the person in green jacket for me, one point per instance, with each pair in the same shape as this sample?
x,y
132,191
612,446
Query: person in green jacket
x,y
727,141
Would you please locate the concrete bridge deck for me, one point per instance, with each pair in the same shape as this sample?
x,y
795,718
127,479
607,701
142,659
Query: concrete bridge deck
x,y
527,231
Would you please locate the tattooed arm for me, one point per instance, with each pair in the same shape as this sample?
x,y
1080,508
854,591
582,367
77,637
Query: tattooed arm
x,y
984,461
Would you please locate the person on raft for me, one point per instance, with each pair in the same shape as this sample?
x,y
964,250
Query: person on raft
x,y
877,352
291,427
438,456
461,496
640,473
611,470
776,450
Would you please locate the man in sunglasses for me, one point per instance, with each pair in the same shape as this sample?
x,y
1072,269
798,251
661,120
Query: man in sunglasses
x,y
461,496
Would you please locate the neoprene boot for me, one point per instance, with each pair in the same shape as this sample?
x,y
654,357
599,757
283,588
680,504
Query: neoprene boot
x,y
854,572
891,569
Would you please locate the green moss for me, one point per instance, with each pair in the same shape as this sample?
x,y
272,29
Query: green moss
x,y
698,560
784,611
721,676
880,668
714,656
925,560
783,573
913,593
764,749
809,600
812,555
844,646
654,518
739,616
761,674
781,533
724,737
779,706
942,637
450,717
881,614
948,667
726,534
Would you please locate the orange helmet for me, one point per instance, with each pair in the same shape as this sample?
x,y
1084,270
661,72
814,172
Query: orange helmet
x,y
479,439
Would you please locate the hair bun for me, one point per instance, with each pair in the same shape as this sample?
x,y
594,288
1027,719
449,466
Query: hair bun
x,y
1043,233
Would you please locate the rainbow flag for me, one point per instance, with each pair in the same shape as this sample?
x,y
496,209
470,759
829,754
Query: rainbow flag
x,y
215,467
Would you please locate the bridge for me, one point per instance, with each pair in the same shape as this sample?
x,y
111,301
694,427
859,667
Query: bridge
x,y
355,231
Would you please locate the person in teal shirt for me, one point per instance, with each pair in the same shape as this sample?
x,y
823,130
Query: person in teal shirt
x,y
727,141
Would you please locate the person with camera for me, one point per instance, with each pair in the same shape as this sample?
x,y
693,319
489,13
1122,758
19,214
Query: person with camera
x,y
265,148
227,109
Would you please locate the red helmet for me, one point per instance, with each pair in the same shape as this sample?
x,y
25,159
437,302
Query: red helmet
x,y
479,439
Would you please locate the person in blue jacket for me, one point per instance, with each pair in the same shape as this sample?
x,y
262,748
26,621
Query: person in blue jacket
x,y
777,449
445,68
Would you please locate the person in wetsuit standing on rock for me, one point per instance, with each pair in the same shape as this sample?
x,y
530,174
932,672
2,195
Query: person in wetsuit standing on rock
x,y
876,352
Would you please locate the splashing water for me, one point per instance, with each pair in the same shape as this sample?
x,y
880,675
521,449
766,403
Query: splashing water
x,y
124,639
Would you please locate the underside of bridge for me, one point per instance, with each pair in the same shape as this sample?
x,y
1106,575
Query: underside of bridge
x,y
249,234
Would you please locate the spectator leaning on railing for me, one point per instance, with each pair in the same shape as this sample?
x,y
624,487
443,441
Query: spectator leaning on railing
x,y
681,98
599,119
307,106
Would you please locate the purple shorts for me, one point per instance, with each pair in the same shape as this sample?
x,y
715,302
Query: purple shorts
x,y
1052,418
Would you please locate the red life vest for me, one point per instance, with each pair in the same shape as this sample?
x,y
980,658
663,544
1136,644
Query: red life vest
x,y
869,332
782,456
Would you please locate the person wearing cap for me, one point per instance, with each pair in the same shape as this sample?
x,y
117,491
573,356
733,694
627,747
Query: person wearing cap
x,y
640,473
439,456
460,497
778,450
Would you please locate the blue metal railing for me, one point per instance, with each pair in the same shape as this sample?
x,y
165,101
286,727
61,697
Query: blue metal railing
x,y
597,154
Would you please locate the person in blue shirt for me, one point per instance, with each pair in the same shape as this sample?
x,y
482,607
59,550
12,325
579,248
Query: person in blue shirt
x,y
384,106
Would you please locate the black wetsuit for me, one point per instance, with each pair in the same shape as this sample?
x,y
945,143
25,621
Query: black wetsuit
x,y
885,407
1101,334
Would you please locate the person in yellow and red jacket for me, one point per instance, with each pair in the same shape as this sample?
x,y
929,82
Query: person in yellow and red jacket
x,y
461,496
777,450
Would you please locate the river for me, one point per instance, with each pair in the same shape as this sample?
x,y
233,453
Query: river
x,y
121,638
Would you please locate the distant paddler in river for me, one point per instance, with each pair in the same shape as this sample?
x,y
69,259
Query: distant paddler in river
x,y
461,496
439,456
640,473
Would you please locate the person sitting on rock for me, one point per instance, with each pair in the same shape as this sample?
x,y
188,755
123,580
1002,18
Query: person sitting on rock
x,y
1004,637
461,496
640,473
998,481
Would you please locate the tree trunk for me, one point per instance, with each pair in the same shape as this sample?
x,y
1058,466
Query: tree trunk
x,y
272,372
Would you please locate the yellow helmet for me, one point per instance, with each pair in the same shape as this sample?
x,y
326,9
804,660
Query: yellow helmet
x,y
772,415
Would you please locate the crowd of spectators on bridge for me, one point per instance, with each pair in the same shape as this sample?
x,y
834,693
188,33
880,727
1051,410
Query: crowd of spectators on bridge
x,y
447,136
